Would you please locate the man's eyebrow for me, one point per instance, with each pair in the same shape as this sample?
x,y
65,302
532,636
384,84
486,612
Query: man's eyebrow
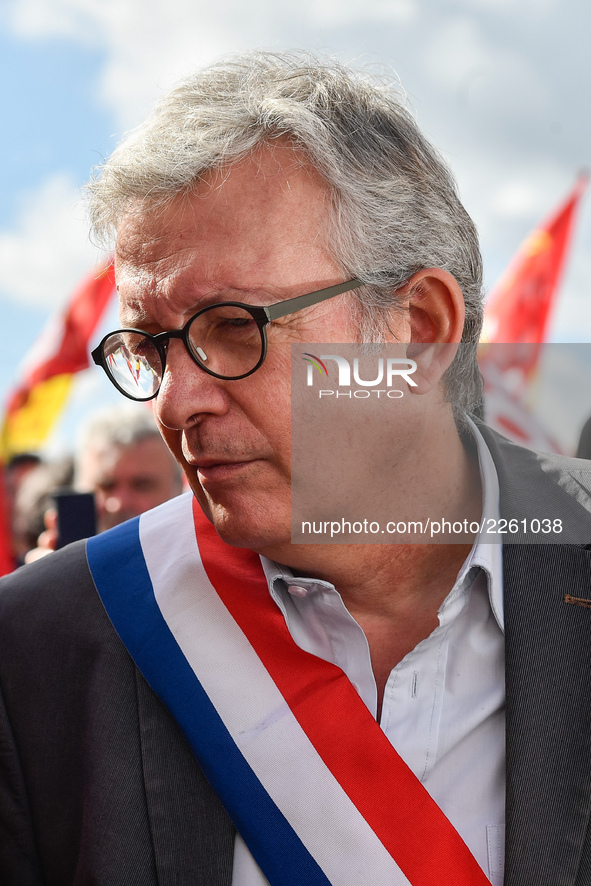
x,y
263,293
137,314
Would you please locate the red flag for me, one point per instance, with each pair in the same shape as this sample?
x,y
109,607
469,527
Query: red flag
x,y
515,324
7,563
60,351
518,308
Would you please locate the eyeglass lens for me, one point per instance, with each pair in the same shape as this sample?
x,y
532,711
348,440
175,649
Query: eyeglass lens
x,y
134,364
224,339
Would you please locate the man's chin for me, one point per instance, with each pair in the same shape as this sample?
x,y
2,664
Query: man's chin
x,y
244,525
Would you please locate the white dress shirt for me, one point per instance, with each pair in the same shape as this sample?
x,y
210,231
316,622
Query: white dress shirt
x,y
444,703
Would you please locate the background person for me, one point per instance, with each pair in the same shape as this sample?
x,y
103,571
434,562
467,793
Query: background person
x,y
122,459
13,474
34,513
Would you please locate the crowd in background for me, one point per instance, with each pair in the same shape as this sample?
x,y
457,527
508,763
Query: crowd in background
x,y
119,457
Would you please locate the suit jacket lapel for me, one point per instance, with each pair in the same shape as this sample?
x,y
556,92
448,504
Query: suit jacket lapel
x,y
192,834
548,677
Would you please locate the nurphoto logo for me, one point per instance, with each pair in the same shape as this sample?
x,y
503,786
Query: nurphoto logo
x,y
386,372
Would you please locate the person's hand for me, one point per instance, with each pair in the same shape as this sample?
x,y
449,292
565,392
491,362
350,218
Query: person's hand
x,y
47,541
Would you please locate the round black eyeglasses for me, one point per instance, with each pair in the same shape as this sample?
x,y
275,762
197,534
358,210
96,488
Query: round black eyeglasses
x,y
227,340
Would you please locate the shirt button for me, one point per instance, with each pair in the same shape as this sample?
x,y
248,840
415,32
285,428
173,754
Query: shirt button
x,y
297,591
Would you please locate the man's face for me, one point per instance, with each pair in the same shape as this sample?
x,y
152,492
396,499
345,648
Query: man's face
x,y
128,480
254,234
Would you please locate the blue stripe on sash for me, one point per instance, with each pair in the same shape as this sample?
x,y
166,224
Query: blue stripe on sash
x,y
123,582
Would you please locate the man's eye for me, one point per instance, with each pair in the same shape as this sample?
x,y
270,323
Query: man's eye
x,y
238,322
230,322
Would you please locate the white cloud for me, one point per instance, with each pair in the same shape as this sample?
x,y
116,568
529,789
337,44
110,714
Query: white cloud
x,y
149,44
531,191
328,12
47,251
146,42
81,20
456,50
482,71
507,7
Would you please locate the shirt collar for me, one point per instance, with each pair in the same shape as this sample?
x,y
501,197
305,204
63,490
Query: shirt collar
x,y
487,555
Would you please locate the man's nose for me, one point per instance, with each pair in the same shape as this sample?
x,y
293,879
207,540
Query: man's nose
x,y
187,392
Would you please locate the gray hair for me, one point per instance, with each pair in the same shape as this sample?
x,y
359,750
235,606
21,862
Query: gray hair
x,y
120,426
394,204
117,426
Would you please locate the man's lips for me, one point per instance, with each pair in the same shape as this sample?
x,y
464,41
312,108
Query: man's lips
x,y
210,470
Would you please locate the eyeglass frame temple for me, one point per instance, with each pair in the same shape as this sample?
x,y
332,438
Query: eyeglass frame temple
x,y
291,305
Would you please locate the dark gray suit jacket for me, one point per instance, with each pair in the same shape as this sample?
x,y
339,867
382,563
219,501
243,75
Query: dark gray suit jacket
x,y
97,785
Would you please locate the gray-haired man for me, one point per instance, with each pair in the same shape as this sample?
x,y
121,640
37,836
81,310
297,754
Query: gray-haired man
x,y
347,704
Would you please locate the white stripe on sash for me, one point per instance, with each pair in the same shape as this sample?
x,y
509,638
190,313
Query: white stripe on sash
x,y
253,710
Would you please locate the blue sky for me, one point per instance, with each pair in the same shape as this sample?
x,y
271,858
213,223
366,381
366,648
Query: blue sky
x,y
502,89
55,124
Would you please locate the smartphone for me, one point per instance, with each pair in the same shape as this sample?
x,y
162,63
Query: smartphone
x,y
76,515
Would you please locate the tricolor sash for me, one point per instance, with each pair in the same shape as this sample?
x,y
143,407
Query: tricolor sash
x,y
311,782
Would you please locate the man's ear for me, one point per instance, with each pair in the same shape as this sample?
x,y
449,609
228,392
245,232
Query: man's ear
x,y
436,307
436,316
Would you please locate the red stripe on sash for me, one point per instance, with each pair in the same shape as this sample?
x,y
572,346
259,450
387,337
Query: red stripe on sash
x,y
409,823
